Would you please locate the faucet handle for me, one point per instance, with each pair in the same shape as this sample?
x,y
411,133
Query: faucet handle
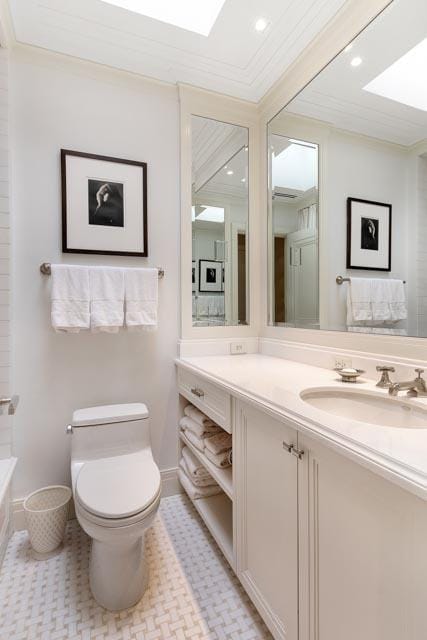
x,y
385,382
419,371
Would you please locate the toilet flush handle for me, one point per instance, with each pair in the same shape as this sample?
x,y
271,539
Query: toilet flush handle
x,y
69,430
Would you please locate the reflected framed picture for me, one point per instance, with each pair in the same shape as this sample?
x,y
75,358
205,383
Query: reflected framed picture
x,y
368,235
193,276
104,205
210,275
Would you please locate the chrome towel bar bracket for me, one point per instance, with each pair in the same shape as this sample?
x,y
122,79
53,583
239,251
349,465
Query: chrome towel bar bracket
x,y
46,270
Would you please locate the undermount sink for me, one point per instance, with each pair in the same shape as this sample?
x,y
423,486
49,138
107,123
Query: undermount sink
x,y
366,407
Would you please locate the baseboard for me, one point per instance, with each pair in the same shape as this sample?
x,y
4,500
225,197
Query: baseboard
x,y
170,487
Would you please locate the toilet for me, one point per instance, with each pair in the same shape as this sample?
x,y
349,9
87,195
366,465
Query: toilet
x,y
116,488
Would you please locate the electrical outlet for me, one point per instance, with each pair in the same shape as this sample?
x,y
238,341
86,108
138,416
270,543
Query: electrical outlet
x,y
343,362
237,348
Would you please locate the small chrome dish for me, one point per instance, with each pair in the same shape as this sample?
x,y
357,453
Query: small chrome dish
x,y
349,374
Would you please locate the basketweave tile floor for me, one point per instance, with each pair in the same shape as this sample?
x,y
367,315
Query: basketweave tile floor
x,y
192,594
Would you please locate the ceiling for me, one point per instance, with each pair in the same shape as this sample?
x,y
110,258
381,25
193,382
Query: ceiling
x,y
234,59
337,95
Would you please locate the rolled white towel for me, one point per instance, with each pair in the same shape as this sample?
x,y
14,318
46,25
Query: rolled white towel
x,y
221,460
198,481
195,441
198,416
194,467
193,492
219,443
200,430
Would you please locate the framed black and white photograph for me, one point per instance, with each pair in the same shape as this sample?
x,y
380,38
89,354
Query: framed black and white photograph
x,y
193,275
368,235
104,205
210,275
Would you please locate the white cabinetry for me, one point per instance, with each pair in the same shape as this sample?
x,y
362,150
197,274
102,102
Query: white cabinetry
x,y
363,557
266,517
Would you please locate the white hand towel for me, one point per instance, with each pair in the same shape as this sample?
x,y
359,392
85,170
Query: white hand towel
x,y
201,431
398,308
106,299
221,460
219,443
70,298
195,441
141,299
194,466
199,417
193,492
198,481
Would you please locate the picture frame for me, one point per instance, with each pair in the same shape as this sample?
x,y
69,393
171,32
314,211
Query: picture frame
x,y
369,229
194,276
210,276
104,205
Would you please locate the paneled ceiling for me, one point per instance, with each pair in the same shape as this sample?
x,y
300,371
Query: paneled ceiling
x,y
234,58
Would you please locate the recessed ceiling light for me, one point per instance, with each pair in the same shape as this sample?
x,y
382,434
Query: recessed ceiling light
x,y
192,15
357,61
348,47
404,80
261,24
243,180
230,172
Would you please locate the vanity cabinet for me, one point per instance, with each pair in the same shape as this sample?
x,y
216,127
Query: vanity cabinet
x,y
266,516
362,552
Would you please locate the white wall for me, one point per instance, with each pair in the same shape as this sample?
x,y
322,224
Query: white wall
x,y
64,103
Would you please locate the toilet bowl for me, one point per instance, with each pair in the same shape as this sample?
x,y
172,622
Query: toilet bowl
x,y
116,488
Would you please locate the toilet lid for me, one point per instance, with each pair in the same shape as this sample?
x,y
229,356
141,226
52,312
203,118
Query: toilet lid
x,y
118,487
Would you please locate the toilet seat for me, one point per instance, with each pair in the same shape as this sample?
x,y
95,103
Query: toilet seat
x,y
118,488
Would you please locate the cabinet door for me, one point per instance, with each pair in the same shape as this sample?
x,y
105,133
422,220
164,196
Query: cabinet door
x,y
265,477
362,552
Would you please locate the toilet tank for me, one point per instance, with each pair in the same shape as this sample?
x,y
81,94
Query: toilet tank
x,y
100,432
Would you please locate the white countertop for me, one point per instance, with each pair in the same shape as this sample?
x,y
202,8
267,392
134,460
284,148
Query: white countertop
x,y
399,454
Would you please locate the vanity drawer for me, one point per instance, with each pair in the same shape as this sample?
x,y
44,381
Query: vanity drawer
x,y
207,397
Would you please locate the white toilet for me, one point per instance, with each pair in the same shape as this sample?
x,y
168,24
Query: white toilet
x,y
116,488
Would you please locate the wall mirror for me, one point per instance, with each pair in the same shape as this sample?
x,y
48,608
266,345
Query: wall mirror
x,y
347,197
219,216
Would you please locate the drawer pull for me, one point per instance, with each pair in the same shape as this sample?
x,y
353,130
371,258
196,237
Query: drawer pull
x,y
197,392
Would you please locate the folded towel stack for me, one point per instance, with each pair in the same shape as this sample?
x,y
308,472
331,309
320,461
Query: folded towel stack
x,y
197,482
207,436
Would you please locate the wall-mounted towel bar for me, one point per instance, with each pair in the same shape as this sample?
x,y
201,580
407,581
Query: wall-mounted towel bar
x,y
46,270
341,280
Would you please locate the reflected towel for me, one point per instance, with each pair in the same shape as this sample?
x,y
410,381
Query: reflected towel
x,y
70,308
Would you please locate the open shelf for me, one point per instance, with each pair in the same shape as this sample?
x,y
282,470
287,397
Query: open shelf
x,y
217,514
224,477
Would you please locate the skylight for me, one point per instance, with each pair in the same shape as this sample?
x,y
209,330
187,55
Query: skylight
x,y
194,15
404,81
207,214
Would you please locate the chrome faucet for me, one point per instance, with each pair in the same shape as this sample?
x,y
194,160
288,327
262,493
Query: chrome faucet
x,y
416,387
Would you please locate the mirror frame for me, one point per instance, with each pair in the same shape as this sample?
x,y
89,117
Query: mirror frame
x,y
199,102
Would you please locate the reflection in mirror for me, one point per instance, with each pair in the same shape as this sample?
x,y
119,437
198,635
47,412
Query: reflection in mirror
x,y
294,204
347,251
219,223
